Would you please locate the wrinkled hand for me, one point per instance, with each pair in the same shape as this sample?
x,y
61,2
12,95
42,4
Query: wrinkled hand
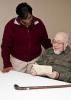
x,y
33,72
7,69
53,75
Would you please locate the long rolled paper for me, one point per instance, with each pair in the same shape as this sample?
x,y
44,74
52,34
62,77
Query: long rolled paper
x,y
17,87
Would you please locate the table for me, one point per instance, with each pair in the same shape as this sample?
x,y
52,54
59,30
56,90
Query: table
x,y
8,92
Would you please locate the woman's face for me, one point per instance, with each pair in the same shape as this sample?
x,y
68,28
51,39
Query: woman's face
x,y
27,21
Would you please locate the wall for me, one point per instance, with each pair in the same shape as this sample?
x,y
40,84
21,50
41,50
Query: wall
x,y
54,13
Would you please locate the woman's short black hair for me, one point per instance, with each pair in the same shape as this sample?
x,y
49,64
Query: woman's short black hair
x,y
23,9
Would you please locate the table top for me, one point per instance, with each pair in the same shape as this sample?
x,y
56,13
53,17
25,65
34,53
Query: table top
x,y
8,92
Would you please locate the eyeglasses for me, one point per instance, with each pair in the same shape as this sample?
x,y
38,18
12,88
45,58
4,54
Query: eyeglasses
x,y
57,42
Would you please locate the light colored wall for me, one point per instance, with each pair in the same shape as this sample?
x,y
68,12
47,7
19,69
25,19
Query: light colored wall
x,y
55,14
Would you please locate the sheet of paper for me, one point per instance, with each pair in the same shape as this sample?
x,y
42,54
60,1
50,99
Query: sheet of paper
x,y
42,69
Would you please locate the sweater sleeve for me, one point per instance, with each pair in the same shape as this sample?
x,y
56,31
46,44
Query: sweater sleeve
x,y
6,44
43,58
64,73
45,40
65,76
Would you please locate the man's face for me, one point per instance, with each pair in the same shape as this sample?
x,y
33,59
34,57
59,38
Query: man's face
x,y
27,21
58,46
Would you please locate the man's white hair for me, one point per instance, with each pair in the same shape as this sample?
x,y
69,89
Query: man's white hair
x,y
63,37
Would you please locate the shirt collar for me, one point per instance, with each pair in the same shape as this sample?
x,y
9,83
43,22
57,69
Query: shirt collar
x,y
34,21
15,22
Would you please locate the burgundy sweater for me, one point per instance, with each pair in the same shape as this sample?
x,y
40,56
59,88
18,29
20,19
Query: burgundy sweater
x,y
23,43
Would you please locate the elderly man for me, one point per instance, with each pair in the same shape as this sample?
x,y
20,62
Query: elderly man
x,y
59,57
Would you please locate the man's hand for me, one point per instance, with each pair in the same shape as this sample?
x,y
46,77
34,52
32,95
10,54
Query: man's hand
x,y
33,72
53,75
7,69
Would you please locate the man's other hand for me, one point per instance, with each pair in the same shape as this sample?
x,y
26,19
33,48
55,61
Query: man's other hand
x,y
53,75
7,69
